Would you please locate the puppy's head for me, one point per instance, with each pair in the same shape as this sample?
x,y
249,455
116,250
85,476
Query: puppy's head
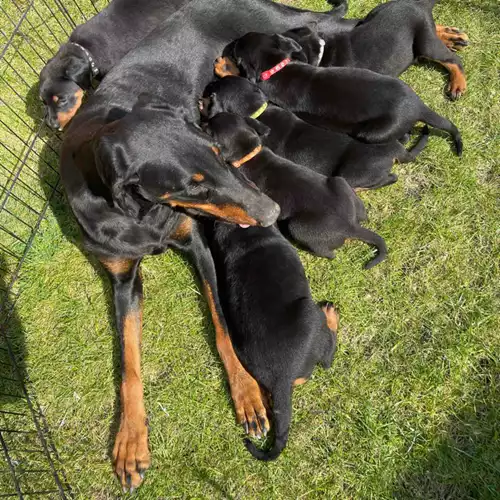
x,y
231,94
257,52
236,136
62,83
312,44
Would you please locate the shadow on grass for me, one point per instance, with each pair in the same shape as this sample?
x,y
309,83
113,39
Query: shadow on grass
x,y
465,462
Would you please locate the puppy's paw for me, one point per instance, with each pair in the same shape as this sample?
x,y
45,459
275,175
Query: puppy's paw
x,y
457,87
454,38
250,404
131,454
332,316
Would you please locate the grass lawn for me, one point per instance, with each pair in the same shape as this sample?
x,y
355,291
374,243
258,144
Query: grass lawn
x,y
411,405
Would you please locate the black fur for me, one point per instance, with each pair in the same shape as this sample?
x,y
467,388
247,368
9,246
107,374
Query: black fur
x,y
372,107
327,152
278,331
320,212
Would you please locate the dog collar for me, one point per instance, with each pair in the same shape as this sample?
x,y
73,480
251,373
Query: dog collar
x,y
248,157
93,68
265,75
261,110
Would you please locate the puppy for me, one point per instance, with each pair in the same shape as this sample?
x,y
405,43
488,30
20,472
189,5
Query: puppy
x,y
319,212
93,49
388,40
279,333
330,153
372,107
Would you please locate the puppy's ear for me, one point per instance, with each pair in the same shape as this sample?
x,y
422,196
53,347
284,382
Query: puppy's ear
x,y
78,71
286,44
260,128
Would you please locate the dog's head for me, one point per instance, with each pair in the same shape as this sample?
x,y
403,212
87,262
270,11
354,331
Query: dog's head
x,y
235,136
232,94
63,81
257,52
312,44
155,155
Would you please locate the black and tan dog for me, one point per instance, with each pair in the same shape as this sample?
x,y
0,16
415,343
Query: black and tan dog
x,y
131,167
363,166
278,331
388,40
320,213
371,107
93,49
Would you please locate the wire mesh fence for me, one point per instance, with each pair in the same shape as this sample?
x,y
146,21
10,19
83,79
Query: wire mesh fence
x,y
30,34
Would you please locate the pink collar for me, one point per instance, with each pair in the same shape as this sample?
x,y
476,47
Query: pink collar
x,y
265,75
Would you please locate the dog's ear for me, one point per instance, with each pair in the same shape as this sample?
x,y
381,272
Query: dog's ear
x,y
286,44
78,71
260,128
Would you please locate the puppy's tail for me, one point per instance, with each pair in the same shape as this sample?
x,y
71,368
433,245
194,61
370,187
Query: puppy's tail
x,y
437,121
367,236
282,409
419,146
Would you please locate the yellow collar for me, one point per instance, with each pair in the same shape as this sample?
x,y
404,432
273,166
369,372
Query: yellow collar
x,y
261,110
248,157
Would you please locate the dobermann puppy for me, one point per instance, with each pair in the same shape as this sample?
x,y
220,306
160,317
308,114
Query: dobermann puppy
x,y
372,107
93,49
330,153
129,189
319,212
388,40
278,331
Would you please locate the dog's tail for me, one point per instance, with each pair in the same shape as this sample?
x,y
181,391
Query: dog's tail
x,y
282,409
367,236
418,147
437,121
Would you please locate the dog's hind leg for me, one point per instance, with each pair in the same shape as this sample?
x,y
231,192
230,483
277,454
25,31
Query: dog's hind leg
x,y
130,452
429,46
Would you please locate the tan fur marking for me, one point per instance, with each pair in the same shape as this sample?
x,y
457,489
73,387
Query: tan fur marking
x,y
183,230
332,317
230,213
198,177
245,391
64,117
224,66
299,381
119,266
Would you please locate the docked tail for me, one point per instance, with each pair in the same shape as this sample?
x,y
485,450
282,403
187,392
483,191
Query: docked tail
x,y
437,121
367,236
282,409
419,146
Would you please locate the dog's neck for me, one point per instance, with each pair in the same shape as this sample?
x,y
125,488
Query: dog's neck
x,y
93,66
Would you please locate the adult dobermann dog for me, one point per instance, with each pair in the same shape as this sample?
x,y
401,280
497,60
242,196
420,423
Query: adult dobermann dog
x,y
363,166
278,331
93,49
133,159
367,105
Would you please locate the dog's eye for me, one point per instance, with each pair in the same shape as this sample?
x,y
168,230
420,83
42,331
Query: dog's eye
x,y
62,101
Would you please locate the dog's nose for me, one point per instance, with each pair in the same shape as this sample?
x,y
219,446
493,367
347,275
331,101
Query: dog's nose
x,y
271,211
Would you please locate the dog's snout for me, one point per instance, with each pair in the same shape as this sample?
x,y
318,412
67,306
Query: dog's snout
x,y
270,213
52,121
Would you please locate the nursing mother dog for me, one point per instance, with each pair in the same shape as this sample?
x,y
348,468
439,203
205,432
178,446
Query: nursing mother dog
x,y
135,164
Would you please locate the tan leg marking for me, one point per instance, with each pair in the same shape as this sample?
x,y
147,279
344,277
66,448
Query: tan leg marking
x,y
454,38
131,453
245,391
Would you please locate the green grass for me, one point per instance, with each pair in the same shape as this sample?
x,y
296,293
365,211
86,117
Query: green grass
x,y
411,405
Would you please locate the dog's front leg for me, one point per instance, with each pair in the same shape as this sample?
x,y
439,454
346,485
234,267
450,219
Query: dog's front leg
x,y
130,454
249,401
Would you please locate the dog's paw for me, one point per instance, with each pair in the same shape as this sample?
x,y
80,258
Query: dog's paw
x,y
457,87
131,454
454,38
250,404
224,66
